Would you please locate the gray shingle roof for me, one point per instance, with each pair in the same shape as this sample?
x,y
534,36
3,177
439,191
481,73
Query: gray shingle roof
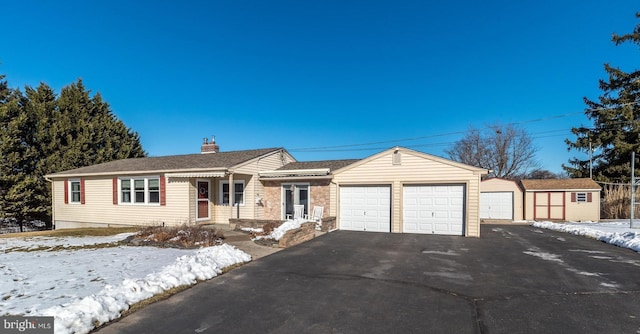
x,y
557,184
331,164
220,160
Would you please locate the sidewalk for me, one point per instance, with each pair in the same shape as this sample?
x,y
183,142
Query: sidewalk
x,y
243,242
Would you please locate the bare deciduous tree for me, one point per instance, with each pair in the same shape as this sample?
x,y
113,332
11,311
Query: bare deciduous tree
x,y
506,150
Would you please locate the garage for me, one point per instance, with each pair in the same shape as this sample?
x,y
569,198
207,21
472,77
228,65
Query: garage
x,y
433,209
496,205
404,191
365,208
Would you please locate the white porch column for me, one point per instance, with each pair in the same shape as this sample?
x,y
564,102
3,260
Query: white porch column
x,y
231,195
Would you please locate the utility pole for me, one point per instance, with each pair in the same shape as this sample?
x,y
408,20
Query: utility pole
x,y
590,161
633,188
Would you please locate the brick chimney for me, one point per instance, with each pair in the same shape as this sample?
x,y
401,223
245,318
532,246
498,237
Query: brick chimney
x,y
209,146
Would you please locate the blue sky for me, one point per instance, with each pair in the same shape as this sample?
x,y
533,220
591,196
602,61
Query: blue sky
x,y
315,74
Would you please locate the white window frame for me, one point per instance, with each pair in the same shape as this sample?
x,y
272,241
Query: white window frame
x,y
296,195
132,188
581,197
231,192
70,185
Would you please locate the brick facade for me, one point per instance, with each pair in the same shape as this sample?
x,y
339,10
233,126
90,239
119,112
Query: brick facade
x,y
272,201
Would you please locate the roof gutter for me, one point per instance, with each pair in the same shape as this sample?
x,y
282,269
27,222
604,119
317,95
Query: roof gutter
x,y
164,171
295,172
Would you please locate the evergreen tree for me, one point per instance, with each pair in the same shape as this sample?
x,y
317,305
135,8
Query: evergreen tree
x,y
41,134
17,156
85,131
42,105
616,117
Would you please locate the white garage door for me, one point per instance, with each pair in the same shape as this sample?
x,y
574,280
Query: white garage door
x,y
365,208
496,205
433,209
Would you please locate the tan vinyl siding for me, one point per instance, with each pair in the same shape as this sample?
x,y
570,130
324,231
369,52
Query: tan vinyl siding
x,y
414,168
583,211
253,187
500,185
99,207
333,200
574,211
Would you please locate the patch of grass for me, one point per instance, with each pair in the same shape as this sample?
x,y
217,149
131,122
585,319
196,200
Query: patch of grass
x,y
63,248
75,232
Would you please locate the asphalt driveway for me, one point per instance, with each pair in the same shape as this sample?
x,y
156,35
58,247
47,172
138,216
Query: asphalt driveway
x,y
515,279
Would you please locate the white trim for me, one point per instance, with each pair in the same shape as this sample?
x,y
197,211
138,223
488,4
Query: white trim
x,y
195,175
69,184
132,195
566,190
295,172
208,217
584,199
232,192
283,208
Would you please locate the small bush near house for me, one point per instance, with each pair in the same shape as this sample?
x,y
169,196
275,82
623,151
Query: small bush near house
x,y
184,236
12,225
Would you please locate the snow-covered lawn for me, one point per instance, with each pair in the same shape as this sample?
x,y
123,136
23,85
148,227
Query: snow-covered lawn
x,y
83,287
617,233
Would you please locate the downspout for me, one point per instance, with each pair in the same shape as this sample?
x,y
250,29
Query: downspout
x,y
255,203
337,202
231,195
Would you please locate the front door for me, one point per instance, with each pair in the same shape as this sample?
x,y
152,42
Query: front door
x,y
202,196
294,194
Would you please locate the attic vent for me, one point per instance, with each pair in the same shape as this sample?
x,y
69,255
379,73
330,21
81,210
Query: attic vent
x,y
397,158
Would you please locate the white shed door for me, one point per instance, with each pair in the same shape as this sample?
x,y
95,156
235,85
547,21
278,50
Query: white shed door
x,y
433,209
365,208
496,205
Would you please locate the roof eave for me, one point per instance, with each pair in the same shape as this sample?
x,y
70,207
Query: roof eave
x,y
564,189
295,178
139,172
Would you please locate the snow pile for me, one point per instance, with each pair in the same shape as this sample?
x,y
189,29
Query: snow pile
x,y
251,229
86,287
280,231
626,239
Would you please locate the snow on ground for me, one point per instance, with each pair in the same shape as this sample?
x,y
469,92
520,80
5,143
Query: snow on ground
x,y
92,285
251,229
616,233
280,231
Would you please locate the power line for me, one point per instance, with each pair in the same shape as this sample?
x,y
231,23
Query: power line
x,y
338,148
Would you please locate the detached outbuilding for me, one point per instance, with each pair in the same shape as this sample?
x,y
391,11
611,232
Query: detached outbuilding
x,y
562,199
501,200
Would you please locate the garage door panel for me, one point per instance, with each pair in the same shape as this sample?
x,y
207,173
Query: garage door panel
x,y
434,209
496,205
365,208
